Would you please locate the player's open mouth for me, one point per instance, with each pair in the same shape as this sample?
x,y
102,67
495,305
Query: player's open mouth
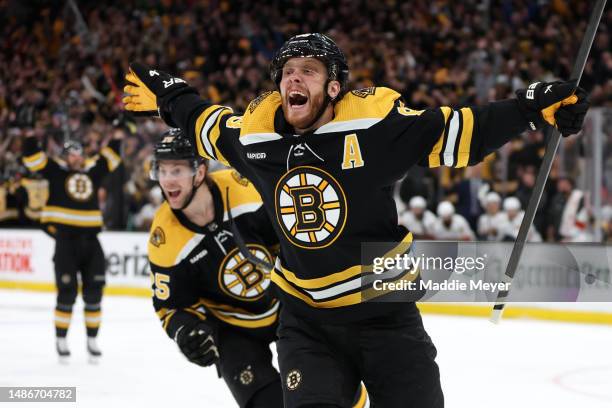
x,y
297,99
174,194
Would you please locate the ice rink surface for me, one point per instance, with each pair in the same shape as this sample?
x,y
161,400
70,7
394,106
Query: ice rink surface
x,y
518,363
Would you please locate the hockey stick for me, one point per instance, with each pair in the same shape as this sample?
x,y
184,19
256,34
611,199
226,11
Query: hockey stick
x,y
554,138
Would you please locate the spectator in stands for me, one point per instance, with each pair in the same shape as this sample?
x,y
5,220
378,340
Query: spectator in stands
x,y
451,226
565,186
491,223
63,79
514,214
418,219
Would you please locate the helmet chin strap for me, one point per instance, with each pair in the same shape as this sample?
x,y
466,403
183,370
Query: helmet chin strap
x,y
193,191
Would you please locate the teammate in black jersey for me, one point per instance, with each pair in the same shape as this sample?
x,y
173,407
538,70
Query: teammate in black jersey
x,y
324,160
72,216
212,300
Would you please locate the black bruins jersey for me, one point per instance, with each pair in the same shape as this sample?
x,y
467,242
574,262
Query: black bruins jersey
x,y
22,201
200,272
330,190
9,208
36,194
72,207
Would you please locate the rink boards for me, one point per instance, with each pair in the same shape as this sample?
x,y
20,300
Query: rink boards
x,y
26,262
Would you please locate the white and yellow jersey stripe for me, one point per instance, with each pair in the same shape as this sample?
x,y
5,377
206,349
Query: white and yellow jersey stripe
x,y
72,217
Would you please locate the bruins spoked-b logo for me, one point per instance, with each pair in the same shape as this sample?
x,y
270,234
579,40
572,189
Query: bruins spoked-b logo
x,y
310,207
246,376
241,278
293,380
79,187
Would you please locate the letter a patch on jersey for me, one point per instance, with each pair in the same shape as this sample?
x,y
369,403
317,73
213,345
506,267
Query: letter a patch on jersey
x,y
352,153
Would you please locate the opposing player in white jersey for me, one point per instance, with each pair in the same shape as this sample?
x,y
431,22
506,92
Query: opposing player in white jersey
x,y
450,226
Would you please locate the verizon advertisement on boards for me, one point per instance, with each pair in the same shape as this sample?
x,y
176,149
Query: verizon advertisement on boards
x,y
27,256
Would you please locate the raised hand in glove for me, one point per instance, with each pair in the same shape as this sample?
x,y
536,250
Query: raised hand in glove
x,y
150,91
198,344
560,104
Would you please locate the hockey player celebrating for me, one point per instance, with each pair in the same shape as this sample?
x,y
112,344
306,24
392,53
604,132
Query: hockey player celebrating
x,y
72,216
211,300
324,159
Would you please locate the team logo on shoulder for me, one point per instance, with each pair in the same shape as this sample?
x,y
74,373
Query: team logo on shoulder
x,y
364,92
294,378
158,237
239,179
255,102
79,187
241,278
310,207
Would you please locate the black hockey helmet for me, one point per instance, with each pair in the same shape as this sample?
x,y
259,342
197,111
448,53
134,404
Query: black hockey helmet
x,y
312,45
174,145
72,146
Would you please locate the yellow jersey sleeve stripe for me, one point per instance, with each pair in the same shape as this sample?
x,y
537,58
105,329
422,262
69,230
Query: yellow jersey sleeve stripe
x,y
166,319
205,123
36,162
363,397
199,315
463,156
249,324
215,133
434,155
112,159
161,313
452,132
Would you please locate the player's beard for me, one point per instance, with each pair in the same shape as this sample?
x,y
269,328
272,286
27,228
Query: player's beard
x,y
303,118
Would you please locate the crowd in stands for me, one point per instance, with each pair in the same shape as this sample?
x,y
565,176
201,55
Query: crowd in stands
x,y
61,77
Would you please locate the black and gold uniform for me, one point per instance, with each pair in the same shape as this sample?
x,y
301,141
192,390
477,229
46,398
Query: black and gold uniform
x,y
200,274
72,216
329,191
21,200
35,193
9,208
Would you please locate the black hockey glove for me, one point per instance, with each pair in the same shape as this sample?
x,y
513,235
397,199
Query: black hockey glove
x,y
150,92
560,104
198,343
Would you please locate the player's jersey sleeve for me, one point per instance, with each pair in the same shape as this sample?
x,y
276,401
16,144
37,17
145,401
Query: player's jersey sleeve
x,y
445,136
106,161
36,160
469,134
174,299
214,128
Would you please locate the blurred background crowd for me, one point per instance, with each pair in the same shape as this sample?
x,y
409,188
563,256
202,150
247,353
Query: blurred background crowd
x,y
61,76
